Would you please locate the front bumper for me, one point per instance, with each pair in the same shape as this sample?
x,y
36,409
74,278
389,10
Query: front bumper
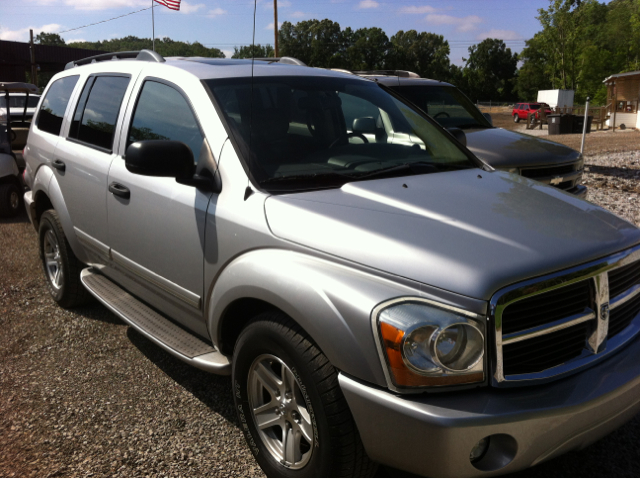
x,y
433,434
579,190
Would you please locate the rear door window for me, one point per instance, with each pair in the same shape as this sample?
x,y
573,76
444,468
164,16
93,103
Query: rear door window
x,y
55,103
94,121
163,113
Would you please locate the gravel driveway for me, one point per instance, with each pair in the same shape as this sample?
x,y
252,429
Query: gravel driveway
x,y
82,394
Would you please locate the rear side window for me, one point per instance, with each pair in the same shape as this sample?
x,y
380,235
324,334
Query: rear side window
x,y
55,104
162,113
94,121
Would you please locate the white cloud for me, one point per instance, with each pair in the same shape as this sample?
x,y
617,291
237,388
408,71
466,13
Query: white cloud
x,y
189,8
76,40
462,24
22,34
418,10
105,4
227,53
270,26
298,14
501,34
368,4
216,12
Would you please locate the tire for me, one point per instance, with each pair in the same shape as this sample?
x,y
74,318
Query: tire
x,y
10,200
516,118
313,408
61,267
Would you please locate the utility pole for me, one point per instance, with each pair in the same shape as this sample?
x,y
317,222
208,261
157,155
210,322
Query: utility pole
x,y
275,27
153,26
34,68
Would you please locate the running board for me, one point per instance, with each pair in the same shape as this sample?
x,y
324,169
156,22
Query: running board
x,y
153,325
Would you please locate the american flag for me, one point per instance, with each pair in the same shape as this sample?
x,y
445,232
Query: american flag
x,y
172,4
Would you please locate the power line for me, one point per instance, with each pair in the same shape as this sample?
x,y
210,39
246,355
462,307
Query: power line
x,y
104,21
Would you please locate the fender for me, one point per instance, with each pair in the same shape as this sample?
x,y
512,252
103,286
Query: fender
x,y
332,302
8,166
57,200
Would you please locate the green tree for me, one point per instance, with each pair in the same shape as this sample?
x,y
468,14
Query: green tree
x,y
532,76
490,71
318,43
424,53
367,50
253,51
164,46
53,39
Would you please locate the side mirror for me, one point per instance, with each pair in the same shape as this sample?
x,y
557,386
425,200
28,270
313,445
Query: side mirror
x,y
458,134
167,158
488,117
364,125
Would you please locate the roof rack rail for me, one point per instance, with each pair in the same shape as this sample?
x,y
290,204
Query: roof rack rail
x,y
395,73
142,55
287,60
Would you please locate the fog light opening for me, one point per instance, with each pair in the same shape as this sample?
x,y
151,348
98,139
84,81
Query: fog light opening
x,y
493,452
480,449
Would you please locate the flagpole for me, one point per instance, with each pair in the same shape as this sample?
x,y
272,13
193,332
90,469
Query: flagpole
x,y
153,26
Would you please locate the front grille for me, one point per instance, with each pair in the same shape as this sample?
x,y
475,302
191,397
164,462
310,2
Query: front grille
x,y
546,308
621,317
548,171
544,352
621,279
565,185
556,332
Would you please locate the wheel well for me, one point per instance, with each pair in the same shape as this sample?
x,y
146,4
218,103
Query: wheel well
x,y
235,317
43,203
10,179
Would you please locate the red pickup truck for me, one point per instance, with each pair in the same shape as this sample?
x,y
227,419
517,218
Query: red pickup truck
x,y
522,110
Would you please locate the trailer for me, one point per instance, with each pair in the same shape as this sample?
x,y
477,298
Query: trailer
x,y
556,98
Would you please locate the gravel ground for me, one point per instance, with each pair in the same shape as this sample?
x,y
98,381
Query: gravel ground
x,y
82,394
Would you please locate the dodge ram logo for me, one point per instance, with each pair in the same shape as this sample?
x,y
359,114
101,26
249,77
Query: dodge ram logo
x,y
604,312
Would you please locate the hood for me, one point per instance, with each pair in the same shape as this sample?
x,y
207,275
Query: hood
x,y
508,149
470,232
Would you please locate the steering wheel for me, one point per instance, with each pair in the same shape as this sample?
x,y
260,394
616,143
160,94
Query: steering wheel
x,y
346,136
442,113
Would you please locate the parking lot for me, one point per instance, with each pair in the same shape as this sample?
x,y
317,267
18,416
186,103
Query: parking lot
x,y
82,394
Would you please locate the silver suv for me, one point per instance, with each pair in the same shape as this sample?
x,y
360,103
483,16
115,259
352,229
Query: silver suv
x,y
377,297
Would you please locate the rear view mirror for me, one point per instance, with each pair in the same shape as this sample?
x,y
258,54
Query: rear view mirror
x,y
167,158
488,118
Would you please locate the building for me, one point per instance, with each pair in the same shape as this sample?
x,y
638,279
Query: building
x,y
623,97
15,60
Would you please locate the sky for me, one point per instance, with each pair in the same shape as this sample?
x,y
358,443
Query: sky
x,y
227,23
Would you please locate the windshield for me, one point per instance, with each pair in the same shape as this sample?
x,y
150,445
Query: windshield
x,y
445,104
18,101
322,132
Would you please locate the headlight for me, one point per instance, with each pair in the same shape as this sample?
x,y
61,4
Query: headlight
x,y
427,344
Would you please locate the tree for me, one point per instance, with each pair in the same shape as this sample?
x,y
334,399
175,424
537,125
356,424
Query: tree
x,y
532,76
490,71
367,50
424,53
318,43
253,51
165,47
52,39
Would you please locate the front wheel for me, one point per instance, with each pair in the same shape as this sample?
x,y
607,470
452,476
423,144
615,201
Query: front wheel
x,y
516,118
290,405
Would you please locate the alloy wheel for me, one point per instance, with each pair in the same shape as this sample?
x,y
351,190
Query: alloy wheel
x,y
53,259
280,411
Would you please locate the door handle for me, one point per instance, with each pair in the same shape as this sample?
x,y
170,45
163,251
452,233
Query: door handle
x,y
119,190
58,165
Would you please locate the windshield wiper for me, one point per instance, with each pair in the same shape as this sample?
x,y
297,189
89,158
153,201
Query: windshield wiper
x,y
308,177
415,168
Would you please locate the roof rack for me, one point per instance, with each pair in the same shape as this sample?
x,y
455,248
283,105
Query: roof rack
x,y
287,60
142,55
394,73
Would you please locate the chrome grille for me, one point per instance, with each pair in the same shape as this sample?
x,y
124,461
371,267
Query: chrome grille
x,y
546,308
559,323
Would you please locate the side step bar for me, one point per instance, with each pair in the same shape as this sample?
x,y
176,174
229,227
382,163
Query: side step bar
x,y
153,325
